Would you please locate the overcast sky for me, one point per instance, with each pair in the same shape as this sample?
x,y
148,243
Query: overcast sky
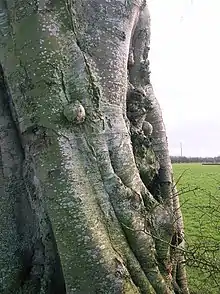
x,y
185,65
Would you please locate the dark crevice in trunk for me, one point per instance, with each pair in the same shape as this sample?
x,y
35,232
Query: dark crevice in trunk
x,y
29,271
97,161
143,110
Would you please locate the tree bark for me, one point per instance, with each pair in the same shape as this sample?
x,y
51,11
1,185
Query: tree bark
x,y
87,197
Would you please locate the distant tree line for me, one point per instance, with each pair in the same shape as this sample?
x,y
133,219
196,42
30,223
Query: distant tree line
x,y
184,159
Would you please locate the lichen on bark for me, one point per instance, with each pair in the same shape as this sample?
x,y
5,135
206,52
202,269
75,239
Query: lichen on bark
x,y
87,187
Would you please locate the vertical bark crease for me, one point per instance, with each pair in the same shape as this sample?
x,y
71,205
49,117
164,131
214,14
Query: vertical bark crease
x,y
80,192
149,110
31,266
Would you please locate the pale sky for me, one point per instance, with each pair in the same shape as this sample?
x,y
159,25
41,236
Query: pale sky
x,y
185,65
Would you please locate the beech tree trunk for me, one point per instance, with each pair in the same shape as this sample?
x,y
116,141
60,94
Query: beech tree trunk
x,y
86,189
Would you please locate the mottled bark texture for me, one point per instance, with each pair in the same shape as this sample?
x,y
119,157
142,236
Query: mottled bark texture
x,y
87,198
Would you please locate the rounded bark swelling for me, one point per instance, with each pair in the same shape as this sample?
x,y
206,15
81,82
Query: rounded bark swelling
x,y
139,78
86,175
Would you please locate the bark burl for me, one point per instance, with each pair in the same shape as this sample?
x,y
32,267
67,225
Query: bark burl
x,y
87,197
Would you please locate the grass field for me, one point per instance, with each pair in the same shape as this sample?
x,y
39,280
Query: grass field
x,y
199,189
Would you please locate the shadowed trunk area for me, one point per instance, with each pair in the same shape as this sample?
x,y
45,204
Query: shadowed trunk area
x,y
84,181
29,259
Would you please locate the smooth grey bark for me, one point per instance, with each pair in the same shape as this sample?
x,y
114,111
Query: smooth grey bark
x,y
93,191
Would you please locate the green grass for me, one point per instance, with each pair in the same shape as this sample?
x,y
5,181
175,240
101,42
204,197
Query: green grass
x,y
199,188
